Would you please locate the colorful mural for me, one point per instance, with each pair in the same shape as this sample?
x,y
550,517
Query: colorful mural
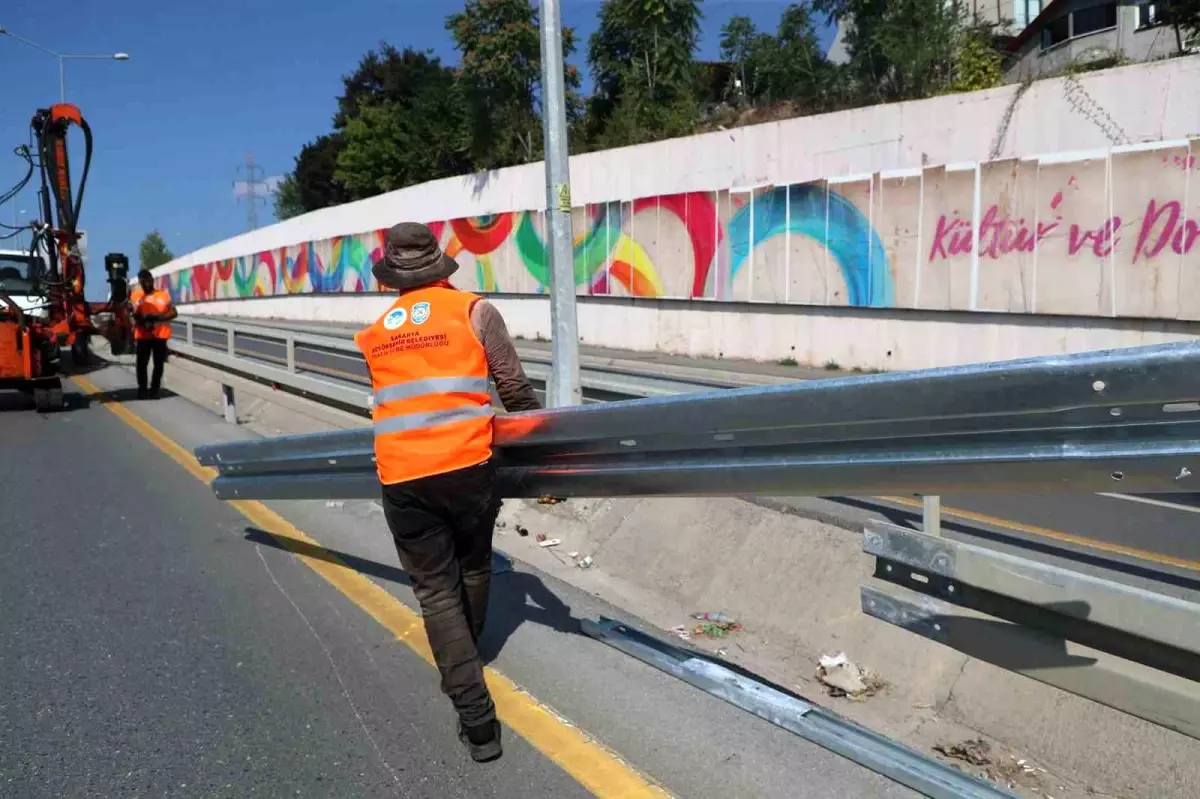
x,y
1113,235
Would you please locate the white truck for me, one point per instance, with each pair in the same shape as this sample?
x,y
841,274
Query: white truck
x,y
18,270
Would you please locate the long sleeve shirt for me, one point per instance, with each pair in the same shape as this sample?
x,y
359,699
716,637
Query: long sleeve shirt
x,y
513,386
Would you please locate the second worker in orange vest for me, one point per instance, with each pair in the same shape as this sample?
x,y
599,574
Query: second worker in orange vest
x,y
152,315
431,356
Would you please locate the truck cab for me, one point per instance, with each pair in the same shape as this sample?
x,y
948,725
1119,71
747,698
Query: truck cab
x,y
20,274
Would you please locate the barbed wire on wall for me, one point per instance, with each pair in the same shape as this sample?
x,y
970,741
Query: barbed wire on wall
x,y
1086,106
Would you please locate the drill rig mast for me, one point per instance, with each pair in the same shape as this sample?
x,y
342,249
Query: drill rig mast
x,y
32,344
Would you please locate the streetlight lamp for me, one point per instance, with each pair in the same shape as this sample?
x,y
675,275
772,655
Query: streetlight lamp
x,y
62,57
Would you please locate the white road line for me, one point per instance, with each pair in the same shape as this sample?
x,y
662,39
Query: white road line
x,y
1162,503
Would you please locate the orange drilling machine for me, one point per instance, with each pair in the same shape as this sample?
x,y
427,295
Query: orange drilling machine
x,y
45,321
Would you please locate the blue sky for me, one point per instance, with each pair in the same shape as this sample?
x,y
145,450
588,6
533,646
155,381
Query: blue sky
x,y
208,82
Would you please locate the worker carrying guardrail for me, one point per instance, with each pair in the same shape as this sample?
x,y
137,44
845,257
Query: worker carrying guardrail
x,y
430,357
152,315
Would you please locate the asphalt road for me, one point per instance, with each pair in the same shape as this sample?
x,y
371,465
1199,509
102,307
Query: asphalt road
x,y
1153,536
154,642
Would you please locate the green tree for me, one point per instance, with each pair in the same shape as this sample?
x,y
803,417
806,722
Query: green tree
x,y
391,145
287,198
786,66
794,66
641,58
739,42
153,251
409,132
311,184
977,64
380,75
899,49
501,72
1184,18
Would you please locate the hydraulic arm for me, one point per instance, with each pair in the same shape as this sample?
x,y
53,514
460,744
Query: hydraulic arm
x,y
31,343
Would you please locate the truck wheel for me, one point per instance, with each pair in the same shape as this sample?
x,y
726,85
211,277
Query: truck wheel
x,y
48,399
81,355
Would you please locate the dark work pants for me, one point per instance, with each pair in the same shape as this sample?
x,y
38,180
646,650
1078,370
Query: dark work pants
x,y
443,527
147,347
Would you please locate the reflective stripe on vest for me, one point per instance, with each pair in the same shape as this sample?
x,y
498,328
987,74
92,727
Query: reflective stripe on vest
x,y
432,385
419,421
432,403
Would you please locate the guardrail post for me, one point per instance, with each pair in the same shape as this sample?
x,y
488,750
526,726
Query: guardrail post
x,y
191,333
291,354
230,347
228,404
931,515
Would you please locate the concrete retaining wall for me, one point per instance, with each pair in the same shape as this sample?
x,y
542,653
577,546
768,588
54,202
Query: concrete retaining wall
x,y
1070,198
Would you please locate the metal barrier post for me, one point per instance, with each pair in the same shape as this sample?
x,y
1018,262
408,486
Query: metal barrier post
x,y
291,354
191,332
229,341
931,515
228,404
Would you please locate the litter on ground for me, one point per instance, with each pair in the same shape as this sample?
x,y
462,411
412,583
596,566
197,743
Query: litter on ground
x,y
977,751
714,625
843,677
681,632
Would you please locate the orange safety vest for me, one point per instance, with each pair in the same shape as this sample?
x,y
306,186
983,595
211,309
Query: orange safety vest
x,y
432,408
155,302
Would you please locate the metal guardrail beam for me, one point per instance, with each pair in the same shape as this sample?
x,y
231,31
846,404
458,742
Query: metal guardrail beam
x,y
1158,697
599,380
824,728
1131,649
1149,615
692,376
1105,389
297,381
1123,421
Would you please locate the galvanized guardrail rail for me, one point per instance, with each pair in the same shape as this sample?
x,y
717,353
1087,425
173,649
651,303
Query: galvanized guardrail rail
x,y
1123,421
292,359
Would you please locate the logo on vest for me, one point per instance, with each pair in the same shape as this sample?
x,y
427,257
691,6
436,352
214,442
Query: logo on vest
x,y
394,319
420,313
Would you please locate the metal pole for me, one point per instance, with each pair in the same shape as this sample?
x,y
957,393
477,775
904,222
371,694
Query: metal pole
x,y
228,404
931,520
62,81
563,388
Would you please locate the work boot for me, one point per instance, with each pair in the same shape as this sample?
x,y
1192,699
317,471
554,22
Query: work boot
x,y
142,393
483,741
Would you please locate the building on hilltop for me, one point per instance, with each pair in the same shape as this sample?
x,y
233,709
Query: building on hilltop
x,y
1089,33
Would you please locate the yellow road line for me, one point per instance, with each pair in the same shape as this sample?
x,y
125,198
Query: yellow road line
x,y
596,768
1057,535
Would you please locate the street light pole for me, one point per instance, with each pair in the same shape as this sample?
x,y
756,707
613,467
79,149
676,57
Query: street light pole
x,y
563,388
62,75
